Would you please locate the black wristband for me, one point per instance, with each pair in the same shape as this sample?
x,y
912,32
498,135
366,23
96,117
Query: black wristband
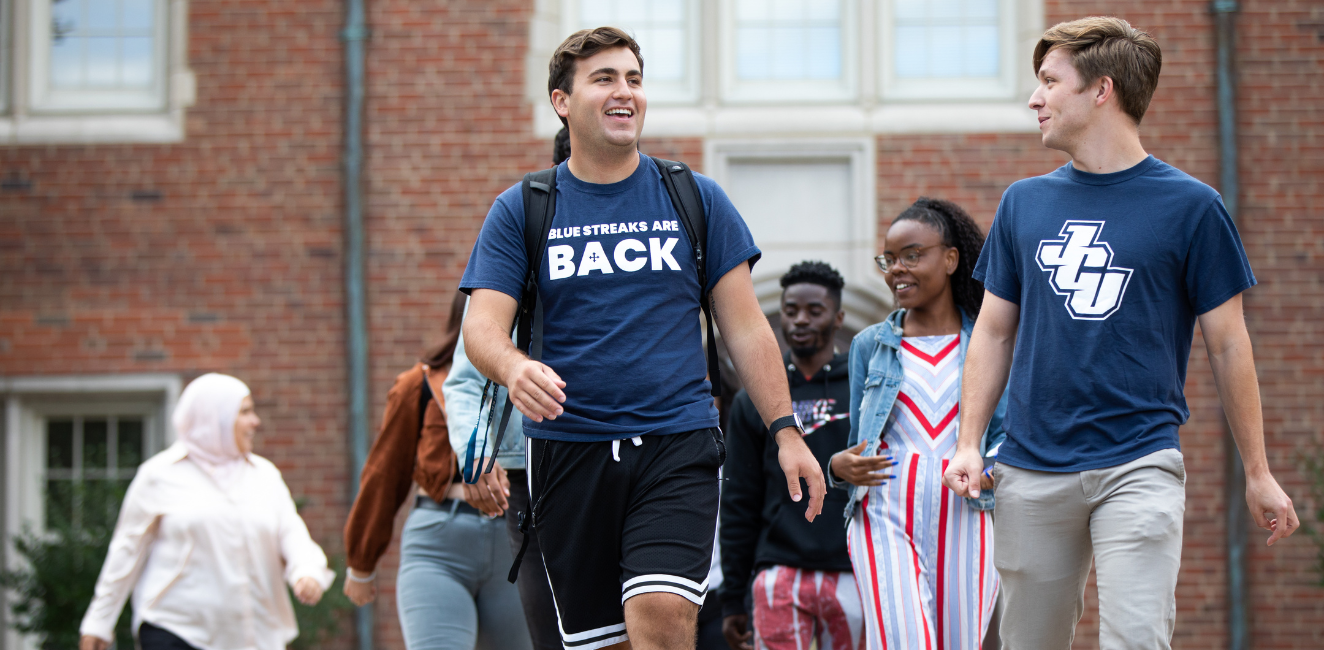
x,y
792,420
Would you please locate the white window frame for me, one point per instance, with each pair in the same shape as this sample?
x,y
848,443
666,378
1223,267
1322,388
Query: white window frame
x,y
29,402
894,87
871,109
45,99
864,282
781,91
33,114
659,93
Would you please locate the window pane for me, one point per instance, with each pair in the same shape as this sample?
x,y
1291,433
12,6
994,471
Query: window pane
x,y
666,48
59,504
946,38
788,39
137,16
96,444
136,62
668,11
101,67
129,443
99,15
60,444
100,501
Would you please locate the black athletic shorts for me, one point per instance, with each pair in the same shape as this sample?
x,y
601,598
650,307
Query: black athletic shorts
x,y
616,519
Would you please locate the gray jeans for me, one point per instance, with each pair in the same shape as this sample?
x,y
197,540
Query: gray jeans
x,y
451,591
1048,526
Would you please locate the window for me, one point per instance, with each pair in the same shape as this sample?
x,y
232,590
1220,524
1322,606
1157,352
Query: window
x,y
667,34
777,50
85,71
89,462
98,54
947,49
72,445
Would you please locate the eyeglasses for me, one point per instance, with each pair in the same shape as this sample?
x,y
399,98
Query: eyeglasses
x,y
909,259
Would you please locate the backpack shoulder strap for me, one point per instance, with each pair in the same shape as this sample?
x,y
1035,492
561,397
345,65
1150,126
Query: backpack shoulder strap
x,y
539,193
684,193
539,190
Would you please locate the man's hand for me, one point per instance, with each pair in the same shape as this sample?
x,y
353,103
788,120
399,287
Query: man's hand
x,y
849,466
736,630
1271,507
490,492
360,593
535,390
964,473
799,463
89,642
308,591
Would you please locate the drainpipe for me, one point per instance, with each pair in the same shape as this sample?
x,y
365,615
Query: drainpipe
x,y
353,36
1238,592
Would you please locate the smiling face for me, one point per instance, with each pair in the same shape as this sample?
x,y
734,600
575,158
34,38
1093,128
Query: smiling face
x,y
930,279
245,426
810,318
606,105
1065,109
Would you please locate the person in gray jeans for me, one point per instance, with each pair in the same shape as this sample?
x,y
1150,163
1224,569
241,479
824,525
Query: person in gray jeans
x,y
451,589
502,493
1095,276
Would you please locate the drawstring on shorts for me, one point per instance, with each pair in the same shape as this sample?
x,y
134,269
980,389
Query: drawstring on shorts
x,y
616,447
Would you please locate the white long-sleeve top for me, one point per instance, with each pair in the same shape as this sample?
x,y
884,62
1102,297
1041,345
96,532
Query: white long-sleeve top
x,y
207,564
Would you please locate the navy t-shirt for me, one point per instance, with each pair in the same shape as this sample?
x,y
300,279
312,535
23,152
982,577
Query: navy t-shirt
x,y
1110,272
620,297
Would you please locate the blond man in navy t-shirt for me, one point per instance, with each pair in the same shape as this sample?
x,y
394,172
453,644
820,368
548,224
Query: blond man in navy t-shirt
x,y
1095,276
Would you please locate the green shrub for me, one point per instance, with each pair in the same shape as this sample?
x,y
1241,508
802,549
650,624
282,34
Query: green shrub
x,y
61,568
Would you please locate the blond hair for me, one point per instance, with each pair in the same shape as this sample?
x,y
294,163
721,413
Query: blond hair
x,y
1104,46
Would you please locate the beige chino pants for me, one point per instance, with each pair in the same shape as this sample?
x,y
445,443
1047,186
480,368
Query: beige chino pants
x,y
1048,526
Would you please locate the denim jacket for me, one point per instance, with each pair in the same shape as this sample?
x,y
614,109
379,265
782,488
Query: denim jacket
x,y
876,378
463,391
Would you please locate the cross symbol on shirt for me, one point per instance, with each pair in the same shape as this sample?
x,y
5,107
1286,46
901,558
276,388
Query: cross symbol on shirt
x,y
593,256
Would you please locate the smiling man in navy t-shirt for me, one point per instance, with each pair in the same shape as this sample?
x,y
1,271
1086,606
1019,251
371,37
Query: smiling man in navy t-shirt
x,y
626,530
1095,276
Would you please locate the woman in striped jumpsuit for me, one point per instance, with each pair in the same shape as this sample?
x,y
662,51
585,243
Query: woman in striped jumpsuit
x,y
923,557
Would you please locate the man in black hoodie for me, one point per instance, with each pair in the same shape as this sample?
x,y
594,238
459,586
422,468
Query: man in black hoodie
x,y
798,571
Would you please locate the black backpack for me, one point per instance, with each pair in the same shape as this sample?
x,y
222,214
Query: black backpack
x,y
539,193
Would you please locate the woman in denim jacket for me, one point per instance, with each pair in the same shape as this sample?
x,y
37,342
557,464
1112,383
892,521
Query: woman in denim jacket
x,y
923,557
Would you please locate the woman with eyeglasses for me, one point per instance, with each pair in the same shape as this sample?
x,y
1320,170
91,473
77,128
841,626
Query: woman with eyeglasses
x,y
923,557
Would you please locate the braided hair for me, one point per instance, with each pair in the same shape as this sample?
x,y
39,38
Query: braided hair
x,y
959,231
820,273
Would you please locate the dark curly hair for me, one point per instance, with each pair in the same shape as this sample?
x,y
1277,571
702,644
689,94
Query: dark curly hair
x,y
819,273
959,231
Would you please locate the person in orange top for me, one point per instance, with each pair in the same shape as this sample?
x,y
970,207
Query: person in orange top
x,y
451,589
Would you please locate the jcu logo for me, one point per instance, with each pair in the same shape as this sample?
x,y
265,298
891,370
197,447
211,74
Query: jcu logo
x,y
1083,272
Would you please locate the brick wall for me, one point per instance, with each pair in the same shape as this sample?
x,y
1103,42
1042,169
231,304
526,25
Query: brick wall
x,y
229,260
230,257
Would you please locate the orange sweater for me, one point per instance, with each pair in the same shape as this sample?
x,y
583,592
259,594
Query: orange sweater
x,y
403,453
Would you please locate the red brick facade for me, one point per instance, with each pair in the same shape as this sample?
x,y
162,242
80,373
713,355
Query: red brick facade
x,y
224,252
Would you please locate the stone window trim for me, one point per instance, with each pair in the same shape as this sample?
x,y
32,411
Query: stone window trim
x,y
25,120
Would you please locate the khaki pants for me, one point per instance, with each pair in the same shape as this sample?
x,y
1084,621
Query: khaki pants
x,y
1049,525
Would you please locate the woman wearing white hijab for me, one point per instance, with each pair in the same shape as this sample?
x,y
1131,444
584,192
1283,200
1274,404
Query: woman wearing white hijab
x,y
206,538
